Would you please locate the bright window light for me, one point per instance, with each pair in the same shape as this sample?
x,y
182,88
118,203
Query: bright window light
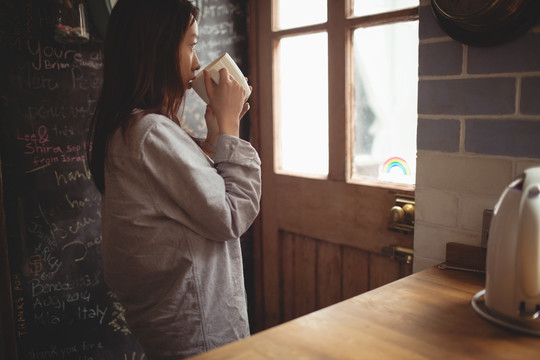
x,y
303,120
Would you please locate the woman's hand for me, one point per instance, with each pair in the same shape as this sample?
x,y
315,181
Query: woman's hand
x,y
227,102
246,107
212,134
209,144
211,125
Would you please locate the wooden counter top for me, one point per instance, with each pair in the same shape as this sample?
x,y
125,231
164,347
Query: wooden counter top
x,y
427,315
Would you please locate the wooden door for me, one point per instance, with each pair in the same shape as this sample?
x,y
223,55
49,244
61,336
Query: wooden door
x,y
318,240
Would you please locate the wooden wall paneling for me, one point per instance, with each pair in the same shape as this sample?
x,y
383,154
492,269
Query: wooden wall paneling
x,y
405,269
328,274
287,276
355,272
336,212
305,261
270,252
382,270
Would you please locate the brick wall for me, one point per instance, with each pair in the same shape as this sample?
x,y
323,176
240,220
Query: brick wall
x,y
478,127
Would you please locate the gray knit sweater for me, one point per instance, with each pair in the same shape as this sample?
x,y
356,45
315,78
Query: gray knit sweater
x,y
172,218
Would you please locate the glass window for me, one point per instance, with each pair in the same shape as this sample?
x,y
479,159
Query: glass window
x,y
385,82
303,104
296,13
370,7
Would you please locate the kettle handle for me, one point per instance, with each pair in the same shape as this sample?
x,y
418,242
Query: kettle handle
x,y
529,241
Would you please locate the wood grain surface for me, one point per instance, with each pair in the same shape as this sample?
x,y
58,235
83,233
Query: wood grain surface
x,y
427,315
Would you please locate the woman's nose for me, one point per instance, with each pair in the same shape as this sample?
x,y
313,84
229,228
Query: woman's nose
x,y
196,63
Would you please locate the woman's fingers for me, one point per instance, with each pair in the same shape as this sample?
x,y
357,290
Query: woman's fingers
x,y
245,109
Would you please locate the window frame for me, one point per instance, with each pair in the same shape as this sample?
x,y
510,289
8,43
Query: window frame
x,y
339,26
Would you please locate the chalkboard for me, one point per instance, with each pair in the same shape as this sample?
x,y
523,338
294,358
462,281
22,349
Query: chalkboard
x,y
61,305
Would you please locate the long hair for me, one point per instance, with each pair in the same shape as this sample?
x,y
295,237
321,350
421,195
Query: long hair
x,y
141,69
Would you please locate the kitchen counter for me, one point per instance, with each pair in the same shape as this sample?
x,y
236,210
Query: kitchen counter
x,y
427,315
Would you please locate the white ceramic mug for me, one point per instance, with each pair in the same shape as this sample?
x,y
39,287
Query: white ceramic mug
x,y
224,61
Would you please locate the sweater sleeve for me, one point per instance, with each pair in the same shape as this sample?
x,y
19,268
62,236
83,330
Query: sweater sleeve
x,y
218,200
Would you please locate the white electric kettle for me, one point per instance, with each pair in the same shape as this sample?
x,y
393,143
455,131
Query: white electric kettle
x,y
512,294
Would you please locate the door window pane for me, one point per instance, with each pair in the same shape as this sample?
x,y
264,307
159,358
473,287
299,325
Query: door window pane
x,y
370,7
385,62
303,97
296,13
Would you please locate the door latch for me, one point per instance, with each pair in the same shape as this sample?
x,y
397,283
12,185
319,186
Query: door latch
x,y
399,253
402,214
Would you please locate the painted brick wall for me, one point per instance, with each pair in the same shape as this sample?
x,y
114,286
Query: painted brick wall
x,y
478,127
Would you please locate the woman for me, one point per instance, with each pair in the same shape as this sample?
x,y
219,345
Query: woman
x,y
171,214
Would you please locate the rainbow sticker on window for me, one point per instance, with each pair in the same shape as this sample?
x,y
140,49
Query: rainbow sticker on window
x,y
396,165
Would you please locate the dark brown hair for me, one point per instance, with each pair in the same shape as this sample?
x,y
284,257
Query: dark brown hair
x,y
141,69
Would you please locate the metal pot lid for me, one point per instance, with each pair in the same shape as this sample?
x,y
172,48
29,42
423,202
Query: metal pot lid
x,y
487,22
